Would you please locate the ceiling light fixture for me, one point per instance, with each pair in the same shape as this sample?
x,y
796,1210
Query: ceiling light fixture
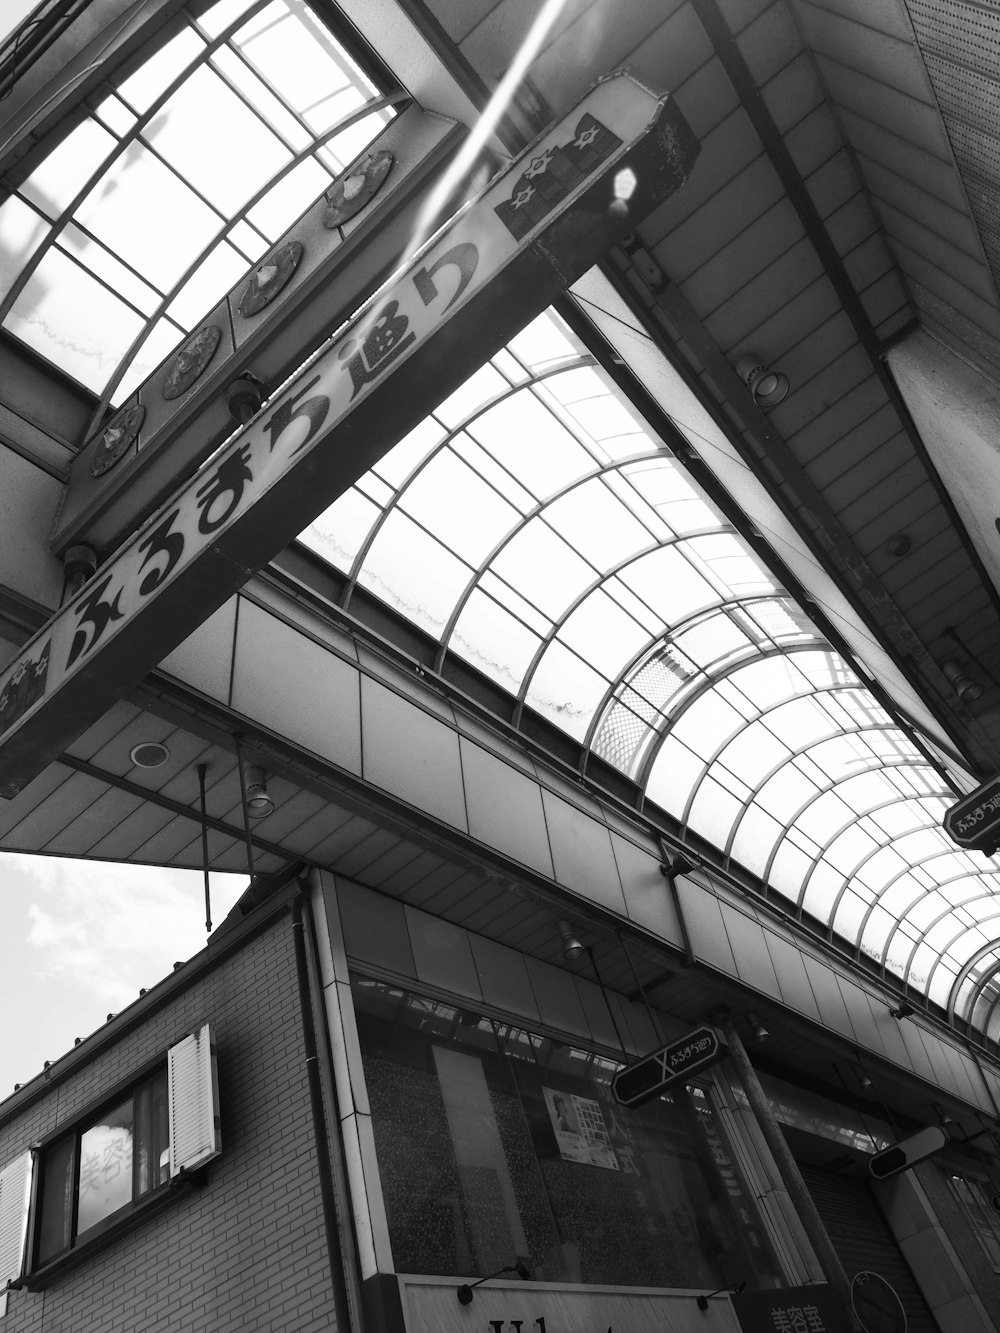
x,y
767,387
572,948
760,1032
149,754
967,689
259,803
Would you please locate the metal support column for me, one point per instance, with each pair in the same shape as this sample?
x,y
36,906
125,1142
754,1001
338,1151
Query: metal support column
x,y
788,1169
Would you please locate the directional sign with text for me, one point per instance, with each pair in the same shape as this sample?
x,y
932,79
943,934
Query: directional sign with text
x,y
536,228
654,1074
974,821
907,1152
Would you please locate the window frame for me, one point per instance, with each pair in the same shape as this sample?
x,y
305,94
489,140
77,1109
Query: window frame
x,y
189,1070
126,1095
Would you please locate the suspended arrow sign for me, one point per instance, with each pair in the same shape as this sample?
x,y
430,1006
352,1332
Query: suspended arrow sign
x,y
639,1083
907,1152
497,264
974,822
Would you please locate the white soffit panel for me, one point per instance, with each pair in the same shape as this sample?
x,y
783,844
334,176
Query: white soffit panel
x,y
957,411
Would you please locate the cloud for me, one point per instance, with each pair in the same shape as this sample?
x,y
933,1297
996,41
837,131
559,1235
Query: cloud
x,y
107,929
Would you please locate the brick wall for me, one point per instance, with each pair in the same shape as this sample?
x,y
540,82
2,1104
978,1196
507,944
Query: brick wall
x,y
248,1251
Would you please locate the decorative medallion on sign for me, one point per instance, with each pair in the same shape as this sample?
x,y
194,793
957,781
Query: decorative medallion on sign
x,y
25,686
191,360
119,436
350,192
269,278
553,174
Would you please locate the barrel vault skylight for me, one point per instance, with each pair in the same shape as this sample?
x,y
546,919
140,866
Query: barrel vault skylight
x,y
180,174
537,528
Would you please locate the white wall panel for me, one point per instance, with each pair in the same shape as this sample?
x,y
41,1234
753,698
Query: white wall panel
x,y
204,661
442,954
948,1071
917,1050
581,853
709,938
793,980
411,754
753,962
503,977
292,685
860,1013
375,929
833,1011
495,743
648,900
505,808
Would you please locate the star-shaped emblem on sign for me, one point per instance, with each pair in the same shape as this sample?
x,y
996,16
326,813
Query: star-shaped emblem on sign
x,y
539,165
522,197
585,137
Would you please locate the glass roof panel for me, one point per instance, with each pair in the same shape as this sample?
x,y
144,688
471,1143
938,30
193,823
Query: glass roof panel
x,y
60,176
621,607
143,189
65,314
194,133
21,233
544,567
604,634
565,690
495,641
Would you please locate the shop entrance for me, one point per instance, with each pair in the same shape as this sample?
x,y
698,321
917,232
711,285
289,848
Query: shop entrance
x,y
860,1235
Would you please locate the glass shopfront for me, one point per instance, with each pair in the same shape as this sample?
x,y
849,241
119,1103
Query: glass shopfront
x,y
495,1143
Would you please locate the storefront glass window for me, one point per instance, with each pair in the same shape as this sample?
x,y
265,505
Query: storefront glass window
x,y
495,1143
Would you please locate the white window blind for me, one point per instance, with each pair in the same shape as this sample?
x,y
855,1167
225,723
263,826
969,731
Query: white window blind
x,y
193,1098
15,1190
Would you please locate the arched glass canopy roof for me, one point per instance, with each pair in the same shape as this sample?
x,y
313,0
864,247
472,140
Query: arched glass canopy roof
x,y
536,527
533,525
179,175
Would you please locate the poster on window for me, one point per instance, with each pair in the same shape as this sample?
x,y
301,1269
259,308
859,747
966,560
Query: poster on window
x,y
580,1131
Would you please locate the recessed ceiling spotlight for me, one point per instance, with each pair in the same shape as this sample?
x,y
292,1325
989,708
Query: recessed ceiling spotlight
x,y
150,754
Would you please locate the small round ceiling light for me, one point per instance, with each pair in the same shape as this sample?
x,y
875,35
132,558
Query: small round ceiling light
x,y
768,387
968,690
150,754
571,946
259,803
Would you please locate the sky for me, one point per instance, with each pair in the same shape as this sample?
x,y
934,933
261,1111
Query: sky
x,y
81,938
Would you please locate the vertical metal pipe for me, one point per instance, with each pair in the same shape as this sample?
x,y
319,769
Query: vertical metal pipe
x,y
788,1169
607,1001
202,770
321,1143
238,742
654,1021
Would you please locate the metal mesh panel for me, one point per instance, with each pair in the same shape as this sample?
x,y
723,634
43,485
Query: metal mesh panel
x,y
713,640
620,737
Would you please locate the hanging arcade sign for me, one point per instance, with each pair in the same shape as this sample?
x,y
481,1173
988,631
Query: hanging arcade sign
x,y
536,228
974,821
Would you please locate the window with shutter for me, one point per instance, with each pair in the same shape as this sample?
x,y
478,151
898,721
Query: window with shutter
x,y
194,1101
116,1160
15,1191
